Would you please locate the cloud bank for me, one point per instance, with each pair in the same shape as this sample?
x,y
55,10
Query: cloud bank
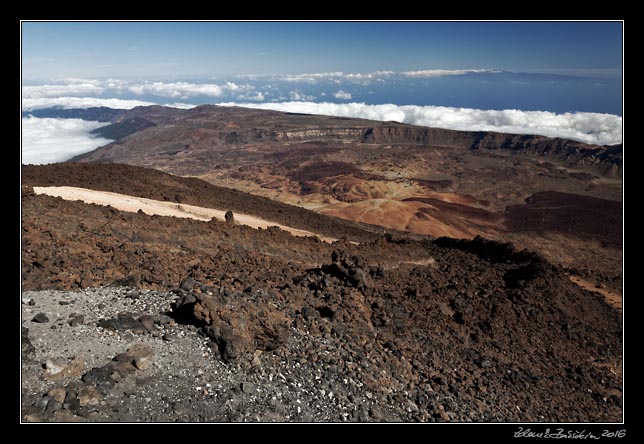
x,y
602,129
365,78
80,88
185,90
343,95
30,104
56,140
124,94
75,87
446,72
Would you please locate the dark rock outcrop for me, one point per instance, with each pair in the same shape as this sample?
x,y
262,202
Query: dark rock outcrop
x,y
238,325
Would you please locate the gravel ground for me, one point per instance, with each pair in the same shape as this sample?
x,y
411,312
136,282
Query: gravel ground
x,y
187,380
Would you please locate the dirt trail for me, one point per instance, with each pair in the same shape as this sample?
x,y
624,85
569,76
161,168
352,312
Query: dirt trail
x,y
612,298
133,204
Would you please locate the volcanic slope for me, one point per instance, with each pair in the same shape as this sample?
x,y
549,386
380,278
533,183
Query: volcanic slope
x,y
399,327
422,180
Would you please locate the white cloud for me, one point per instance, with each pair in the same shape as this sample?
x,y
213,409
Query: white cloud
x,y
177,89
254,96
308,78
376,76
69,89
77,80
342,95
80,102
604,129
445,72
335,77
185,90
180,105
299,96
232,86
57,140
73,87
116,84
369,75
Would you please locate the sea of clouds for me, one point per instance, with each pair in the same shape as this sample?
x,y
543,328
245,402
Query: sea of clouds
x,y
331,93
601,129
56,140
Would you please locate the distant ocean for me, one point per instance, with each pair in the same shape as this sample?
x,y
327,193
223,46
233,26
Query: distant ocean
x,y
558,94
479,90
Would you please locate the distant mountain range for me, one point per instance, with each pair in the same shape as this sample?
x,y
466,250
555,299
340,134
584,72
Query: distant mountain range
x,y
603,160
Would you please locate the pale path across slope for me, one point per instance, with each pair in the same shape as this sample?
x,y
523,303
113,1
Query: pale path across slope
x,y
133,204
614,299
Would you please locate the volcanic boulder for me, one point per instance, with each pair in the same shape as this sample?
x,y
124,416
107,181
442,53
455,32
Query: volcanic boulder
x,y
238,324
348,269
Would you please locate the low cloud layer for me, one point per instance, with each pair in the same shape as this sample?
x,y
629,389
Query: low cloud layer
x,y
299,96
80,102
56,140
368,77
81,88
186,90
471,88
446,72
342,95
602,129
238,90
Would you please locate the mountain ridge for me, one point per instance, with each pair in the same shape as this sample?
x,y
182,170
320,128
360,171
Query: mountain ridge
x,y
605,160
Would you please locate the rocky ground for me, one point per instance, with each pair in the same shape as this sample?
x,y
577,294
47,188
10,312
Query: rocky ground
x,y
165,319
172,374
429,181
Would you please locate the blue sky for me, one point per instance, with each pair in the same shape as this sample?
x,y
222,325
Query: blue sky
x,y
205,50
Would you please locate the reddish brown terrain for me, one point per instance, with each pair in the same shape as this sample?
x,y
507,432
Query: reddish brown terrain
x,y
398,327
476,276
559,197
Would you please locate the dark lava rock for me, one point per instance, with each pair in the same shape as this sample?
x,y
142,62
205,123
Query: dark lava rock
x,y
71,402
53,406
348,269
188,284
309,313
138,357
27,347
100,377
122,322
76,319
128,281
40,318
240,326
146,321
248,387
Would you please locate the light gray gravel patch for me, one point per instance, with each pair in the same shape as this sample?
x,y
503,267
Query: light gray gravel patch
x,y
187,381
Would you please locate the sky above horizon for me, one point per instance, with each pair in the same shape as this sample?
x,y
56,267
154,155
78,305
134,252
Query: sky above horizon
x,y
168,50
